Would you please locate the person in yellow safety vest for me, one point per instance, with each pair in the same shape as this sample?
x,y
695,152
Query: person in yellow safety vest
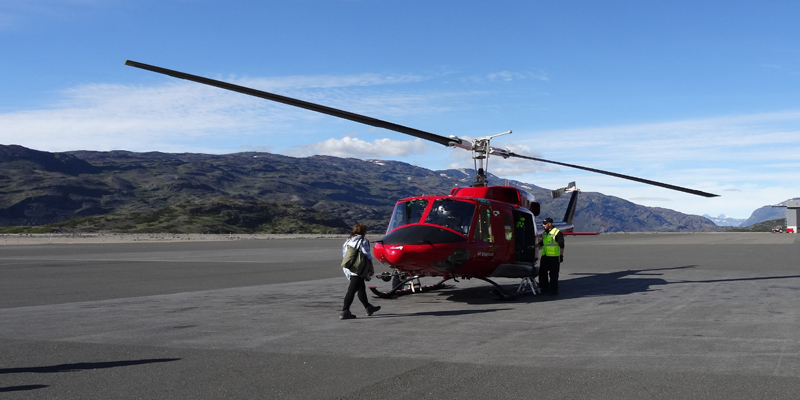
x,y
552,256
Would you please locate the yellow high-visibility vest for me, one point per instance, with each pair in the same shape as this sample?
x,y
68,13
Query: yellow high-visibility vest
x,y
551,247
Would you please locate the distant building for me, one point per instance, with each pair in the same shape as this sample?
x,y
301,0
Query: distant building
x,y
792,209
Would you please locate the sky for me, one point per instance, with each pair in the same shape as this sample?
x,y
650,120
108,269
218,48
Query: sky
x,y
700,94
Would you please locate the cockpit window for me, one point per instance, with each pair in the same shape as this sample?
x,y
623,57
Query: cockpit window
x,y
453,214
409,212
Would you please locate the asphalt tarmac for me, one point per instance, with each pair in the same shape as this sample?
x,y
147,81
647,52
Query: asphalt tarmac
x,y
657,316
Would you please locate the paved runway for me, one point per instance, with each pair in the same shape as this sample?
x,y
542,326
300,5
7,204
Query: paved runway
x,y
662,316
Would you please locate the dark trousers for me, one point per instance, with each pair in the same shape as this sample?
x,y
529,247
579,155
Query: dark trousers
x,y
357,285
549,267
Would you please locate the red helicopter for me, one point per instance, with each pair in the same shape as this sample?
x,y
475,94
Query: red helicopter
x,y
479,232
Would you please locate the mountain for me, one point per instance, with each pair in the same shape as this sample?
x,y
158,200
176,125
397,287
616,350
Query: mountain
x,y
127,191
768,213
724,220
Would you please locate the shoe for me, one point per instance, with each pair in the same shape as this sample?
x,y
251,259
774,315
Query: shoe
x,y
346,315
372,309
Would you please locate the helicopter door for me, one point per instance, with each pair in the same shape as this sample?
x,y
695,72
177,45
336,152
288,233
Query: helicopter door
x,y
524,237
483,227
483,234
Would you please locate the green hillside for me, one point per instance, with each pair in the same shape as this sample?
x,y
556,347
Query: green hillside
x,y
123,191
765,226
213,215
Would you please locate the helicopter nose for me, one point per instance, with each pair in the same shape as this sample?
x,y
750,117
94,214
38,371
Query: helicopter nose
x,y
389,254
410,255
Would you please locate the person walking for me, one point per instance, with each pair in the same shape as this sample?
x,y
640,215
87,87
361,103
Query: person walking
x,y
552,256
357,267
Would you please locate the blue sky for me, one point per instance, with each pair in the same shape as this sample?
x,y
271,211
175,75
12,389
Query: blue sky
x,y
702,94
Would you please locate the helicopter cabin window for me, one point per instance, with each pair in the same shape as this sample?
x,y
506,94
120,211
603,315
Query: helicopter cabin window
x,y
408,212
453,214
483,229
509,227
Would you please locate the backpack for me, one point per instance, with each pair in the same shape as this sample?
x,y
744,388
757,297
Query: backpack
x,y
355,261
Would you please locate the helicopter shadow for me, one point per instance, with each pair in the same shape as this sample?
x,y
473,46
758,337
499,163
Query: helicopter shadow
x,y
615,283
458,312
82,366
451,313
618,283
21,388
484,294
585,285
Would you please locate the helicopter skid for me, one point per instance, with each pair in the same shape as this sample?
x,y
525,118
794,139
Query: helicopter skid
x,y
501,293
404,288
400,291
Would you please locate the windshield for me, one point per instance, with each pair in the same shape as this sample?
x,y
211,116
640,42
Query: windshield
x,y
409,212
453,214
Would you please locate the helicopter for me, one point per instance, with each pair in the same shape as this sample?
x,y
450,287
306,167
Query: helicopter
x,y
481,231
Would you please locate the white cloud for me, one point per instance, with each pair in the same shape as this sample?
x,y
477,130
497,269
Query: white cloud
x,y
104,117
176,115
505,76
750,160
725,149
681,140
261,149
325,81
357,148
510,76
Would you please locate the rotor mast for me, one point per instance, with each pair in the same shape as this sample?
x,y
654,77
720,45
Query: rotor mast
x,y
480,155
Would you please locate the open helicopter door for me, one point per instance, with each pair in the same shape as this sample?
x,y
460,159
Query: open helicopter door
x,y
524,237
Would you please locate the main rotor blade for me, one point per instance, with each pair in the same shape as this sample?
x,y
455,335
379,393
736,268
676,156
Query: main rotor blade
x,y
445,141
628,177
432,137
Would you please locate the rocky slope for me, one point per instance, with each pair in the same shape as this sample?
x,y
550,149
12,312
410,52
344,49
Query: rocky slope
x,y
767,213
38,188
